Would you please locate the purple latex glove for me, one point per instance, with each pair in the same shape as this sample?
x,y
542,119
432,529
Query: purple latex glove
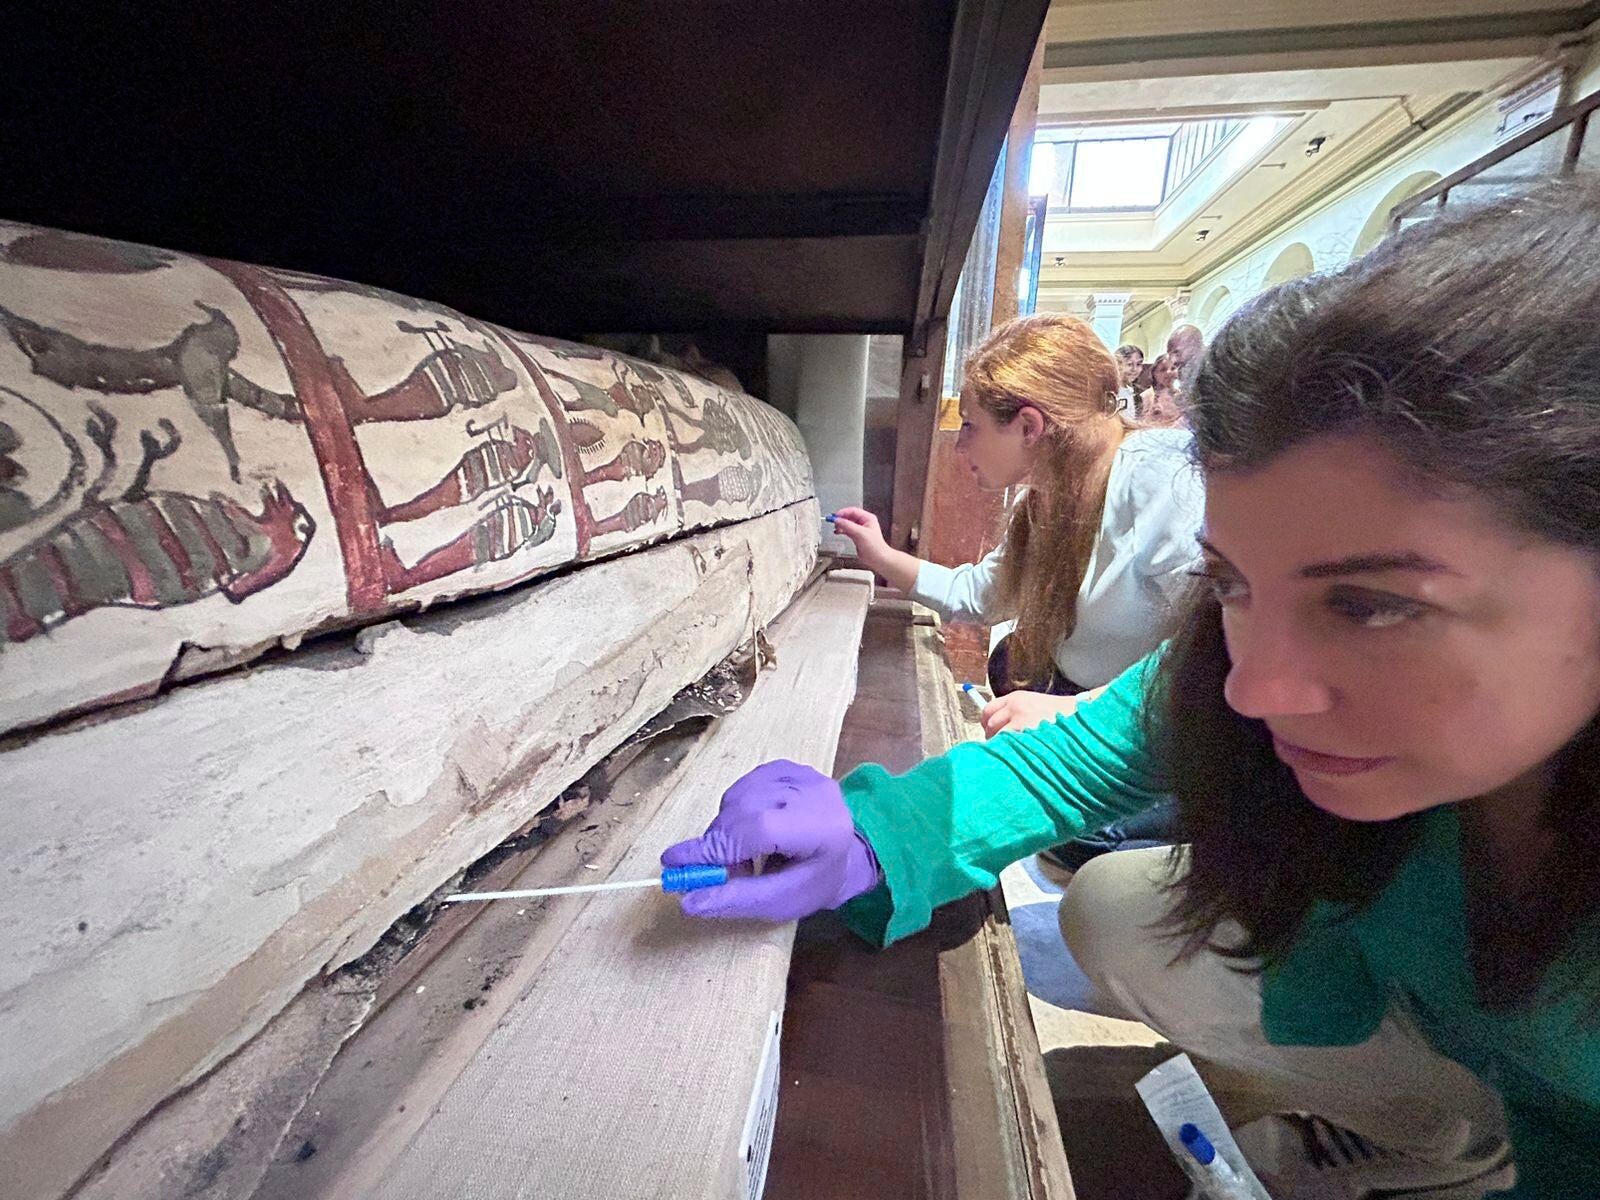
x,y
780,808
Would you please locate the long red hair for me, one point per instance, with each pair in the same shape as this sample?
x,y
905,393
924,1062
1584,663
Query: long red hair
x,y
1056,364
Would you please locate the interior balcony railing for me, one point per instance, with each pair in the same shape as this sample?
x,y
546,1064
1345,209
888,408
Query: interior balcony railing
x,y
1555,147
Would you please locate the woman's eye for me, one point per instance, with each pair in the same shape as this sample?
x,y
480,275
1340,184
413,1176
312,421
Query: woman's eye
x,y
1375,611
1228,589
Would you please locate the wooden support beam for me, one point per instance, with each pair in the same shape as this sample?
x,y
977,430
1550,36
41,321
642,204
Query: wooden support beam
x,y
959,523
178,873
990,40
627,1067
915,417
915,1070
991,1049
1011,244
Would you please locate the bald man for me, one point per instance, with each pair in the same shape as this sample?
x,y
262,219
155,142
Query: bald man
x,y
1185,347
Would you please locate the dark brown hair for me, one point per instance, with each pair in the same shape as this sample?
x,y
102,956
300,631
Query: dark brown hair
x,y
1470,346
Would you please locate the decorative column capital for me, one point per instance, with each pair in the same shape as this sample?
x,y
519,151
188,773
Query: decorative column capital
x,y
1179,305
1105,315
1107,303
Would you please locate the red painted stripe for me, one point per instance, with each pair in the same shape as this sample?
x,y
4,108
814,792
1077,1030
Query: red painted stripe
x,y
583,518
224,564
141,587
19,625
171,544
327,398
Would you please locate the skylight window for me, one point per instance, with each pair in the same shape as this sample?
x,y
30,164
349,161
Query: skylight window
x,y
1126,173
1126,168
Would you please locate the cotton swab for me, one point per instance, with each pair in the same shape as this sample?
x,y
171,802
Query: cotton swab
x,y
690,878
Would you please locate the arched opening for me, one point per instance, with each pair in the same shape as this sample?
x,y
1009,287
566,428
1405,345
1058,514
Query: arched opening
x,y
1150,332
1378,223
1215,310
1292,262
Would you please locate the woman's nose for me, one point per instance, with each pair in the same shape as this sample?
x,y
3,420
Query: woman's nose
x,y
1273,676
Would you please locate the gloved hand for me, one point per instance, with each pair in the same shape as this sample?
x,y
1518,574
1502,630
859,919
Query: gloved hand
x,y
784,809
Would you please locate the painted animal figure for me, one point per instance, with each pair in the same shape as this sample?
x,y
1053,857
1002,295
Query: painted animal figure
x,y
617,397
157,551
147,549
719,430
195,361
588,398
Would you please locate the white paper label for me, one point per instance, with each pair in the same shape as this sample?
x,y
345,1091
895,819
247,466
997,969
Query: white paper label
x,y
755,1147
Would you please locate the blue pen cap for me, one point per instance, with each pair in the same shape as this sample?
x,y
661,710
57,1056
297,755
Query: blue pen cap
x,y
1197,1143
692,877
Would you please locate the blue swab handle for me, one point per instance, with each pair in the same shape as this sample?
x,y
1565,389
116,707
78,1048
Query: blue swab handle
x,y
693,877
1197,1143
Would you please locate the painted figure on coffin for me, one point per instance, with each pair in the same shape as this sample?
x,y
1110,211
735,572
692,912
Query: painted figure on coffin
x,y
445,368
432,417
98,544
617,417
202,453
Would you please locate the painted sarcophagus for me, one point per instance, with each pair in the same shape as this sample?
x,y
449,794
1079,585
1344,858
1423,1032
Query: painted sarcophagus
x,y
201,460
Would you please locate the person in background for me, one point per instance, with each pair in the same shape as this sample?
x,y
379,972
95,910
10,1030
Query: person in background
x,y
1097,545
1145,378
1158,405
1185,346
1130,362
1381,721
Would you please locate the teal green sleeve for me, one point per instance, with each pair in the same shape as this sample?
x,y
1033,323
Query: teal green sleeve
x,y
949,826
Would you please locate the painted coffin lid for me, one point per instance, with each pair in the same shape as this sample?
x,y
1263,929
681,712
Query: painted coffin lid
x,y
200,460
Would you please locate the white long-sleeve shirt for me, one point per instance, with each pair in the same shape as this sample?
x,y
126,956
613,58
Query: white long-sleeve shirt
x,y
1155,503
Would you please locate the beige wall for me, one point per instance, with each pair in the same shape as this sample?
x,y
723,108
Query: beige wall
x,y
1587,78
1332,231
1150,331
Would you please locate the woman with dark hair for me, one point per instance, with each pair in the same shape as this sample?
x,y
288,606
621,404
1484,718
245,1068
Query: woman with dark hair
x,y
1379,719
1158,404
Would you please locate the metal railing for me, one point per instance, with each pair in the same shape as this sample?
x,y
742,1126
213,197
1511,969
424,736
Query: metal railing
x,y
1573,118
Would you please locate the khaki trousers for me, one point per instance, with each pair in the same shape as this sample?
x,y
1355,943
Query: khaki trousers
x,y
1392,1089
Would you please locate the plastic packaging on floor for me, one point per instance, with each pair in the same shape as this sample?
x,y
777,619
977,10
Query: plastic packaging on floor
x,y
1192,1125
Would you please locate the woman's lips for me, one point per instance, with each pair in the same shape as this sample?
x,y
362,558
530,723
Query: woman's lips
x,y
1324,764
